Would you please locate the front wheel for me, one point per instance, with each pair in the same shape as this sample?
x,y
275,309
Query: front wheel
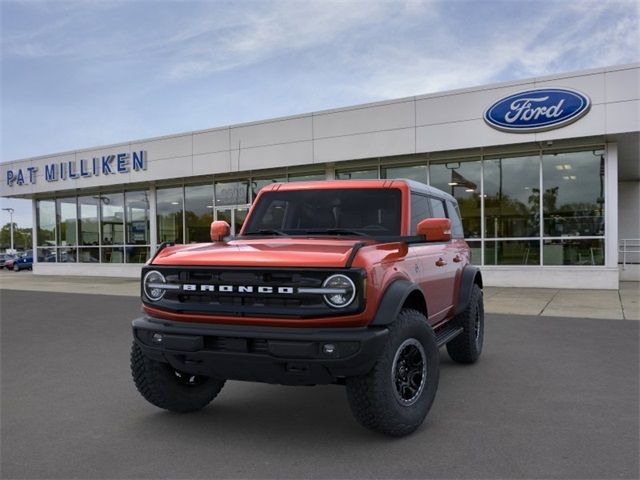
x,y
16,268
396,395
165,387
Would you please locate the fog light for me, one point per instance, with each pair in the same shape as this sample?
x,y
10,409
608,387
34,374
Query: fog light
x,y
329,348
157,338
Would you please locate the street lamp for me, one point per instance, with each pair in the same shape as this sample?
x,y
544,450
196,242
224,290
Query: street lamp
x,y
10,210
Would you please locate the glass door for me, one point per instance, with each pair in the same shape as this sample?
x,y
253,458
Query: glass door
x,y
234,216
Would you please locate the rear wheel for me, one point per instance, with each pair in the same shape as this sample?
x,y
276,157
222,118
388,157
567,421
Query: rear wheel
x,y
467,347
396,395
165,387
16,268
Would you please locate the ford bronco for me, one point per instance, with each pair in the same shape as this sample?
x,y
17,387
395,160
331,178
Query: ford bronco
x,y
355,283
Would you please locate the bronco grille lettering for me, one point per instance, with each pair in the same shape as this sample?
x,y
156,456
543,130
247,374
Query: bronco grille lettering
x,y
192,287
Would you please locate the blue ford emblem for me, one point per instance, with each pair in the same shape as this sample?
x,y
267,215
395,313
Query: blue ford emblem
x,y
537,110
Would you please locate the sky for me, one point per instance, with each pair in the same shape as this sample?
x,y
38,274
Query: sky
x,y
79,74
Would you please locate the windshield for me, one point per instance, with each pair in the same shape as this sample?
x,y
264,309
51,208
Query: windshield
x,y
362,211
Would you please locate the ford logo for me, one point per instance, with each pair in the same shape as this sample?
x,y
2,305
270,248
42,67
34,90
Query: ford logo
x,y
537,110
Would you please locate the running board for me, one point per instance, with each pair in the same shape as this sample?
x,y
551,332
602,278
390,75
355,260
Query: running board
x,y
447,334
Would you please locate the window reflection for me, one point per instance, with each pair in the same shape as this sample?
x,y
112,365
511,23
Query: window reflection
x,y
67,217
364,174
198,212
306,177
46,222
88,220
232,193
462,180
412,172
512,252
169,214
258,184
112,215
137,217
573,198
512,197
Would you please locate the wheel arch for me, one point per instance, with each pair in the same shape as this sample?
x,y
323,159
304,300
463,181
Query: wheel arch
x,y
471,276
399,294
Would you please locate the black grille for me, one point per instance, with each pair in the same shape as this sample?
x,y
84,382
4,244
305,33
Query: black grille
x,y
243,303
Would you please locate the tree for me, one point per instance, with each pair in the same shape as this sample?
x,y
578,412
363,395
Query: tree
x,y
21,237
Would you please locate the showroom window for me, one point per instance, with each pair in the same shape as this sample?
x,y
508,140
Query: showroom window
x,y
88,229
461,179
419,173
46,230
137,226
67,216
169,203
198,211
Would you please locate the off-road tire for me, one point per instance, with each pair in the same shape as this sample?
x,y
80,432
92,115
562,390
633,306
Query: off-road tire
x,y
16,268
161,386
467,347
374,398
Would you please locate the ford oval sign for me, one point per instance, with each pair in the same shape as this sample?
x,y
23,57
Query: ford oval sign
x,y
537,110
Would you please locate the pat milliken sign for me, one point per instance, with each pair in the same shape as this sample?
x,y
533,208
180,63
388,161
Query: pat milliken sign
x,y
117,163
537,110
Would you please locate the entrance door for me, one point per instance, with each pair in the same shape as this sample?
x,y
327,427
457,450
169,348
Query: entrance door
x,y
234,216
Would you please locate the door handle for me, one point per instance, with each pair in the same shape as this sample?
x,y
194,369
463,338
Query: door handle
x,y
457,259
440,262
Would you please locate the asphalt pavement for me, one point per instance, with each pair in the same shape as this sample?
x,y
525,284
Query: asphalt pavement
x,y
550,398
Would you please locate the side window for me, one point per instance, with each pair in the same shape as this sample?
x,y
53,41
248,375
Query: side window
x,y
437,207
419,210
456,223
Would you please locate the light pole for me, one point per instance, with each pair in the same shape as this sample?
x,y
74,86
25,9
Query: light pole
x,y
10,210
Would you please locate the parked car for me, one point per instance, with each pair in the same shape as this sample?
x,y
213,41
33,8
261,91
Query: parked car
x,y
23,262
357,283
5,257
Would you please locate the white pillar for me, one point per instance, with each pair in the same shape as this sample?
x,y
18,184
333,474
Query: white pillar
x,y
34,229
611,205
153,234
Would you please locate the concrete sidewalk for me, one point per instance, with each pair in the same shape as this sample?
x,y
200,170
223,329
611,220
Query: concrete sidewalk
x,y
620,305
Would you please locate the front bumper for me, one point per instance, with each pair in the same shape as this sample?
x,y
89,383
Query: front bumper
x,y
289,356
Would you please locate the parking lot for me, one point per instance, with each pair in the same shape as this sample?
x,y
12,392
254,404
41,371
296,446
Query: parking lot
x,y
550,398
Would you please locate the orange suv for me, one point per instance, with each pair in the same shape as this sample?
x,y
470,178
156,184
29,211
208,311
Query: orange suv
x,y
353,282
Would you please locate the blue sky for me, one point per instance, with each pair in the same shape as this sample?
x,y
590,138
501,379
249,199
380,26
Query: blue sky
x,y
85,73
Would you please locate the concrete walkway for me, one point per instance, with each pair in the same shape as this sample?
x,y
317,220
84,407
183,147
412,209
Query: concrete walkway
x,y
620,305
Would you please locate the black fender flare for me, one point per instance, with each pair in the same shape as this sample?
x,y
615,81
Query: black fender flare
x,y
470,275
392,301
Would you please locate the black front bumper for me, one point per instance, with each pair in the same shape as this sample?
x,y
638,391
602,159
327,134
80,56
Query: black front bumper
x,y
289,356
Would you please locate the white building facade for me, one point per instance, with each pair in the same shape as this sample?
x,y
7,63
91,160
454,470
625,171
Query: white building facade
x,y
548,193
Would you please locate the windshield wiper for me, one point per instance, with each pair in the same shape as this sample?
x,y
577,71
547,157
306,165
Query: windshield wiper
x,y
267,231
337,231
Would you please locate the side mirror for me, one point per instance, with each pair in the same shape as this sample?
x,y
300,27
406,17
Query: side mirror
x,y
219,230
435,229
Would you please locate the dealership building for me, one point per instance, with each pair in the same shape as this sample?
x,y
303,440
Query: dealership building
x,y
546,172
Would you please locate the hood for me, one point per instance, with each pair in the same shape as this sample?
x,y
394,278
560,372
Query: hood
x,y
264,252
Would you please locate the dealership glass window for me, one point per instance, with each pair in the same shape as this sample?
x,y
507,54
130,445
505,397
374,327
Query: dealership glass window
x,y
573,251
362,174
475,247
232,193
137,217
512,252
46,222
258,184
462,180
112,254
112,218
573,198
134,254
88,228
67,254
169,214
198,211
88,254
67,221
46,254
412,172
306,177
512,197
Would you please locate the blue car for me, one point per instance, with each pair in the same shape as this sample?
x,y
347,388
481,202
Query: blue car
x,y
23,262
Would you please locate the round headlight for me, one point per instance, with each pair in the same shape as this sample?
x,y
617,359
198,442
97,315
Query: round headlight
x,y
152,284
344,291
